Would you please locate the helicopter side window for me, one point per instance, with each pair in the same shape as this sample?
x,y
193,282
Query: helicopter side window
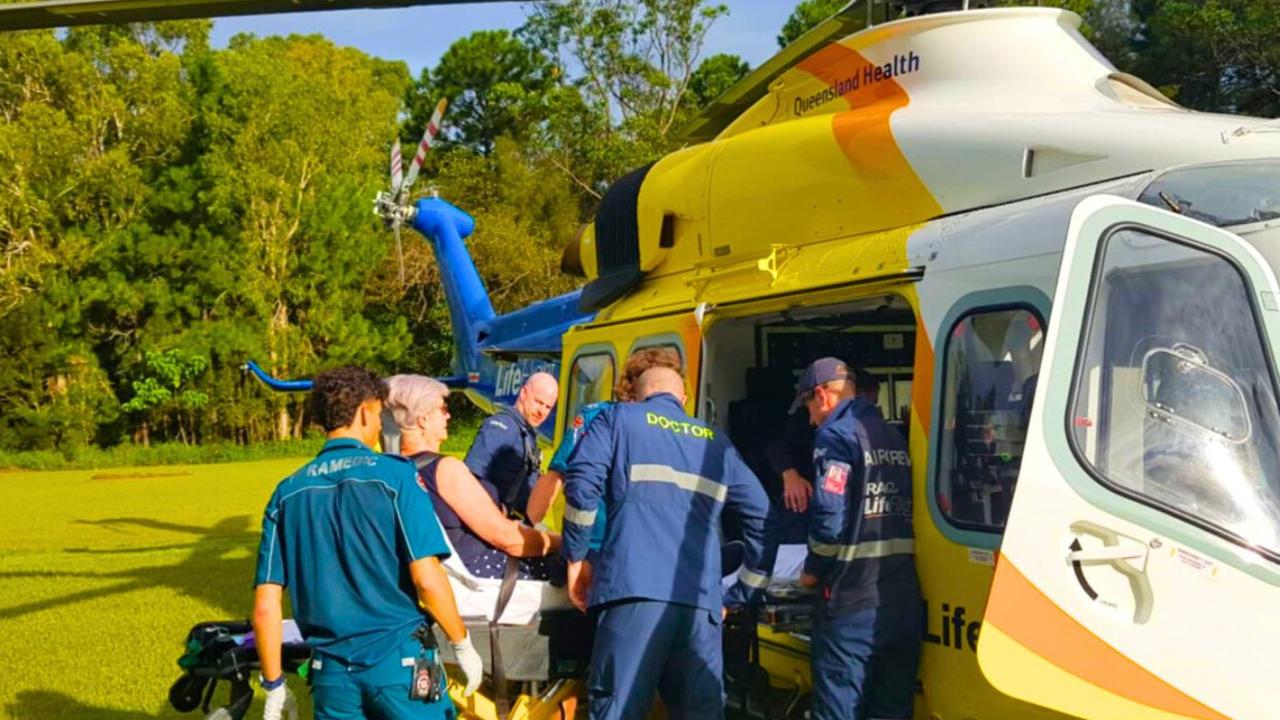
x,y
1174,402
992,363
590,380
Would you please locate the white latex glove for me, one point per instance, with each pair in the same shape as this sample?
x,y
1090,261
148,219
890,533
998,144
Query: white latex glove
x,y
470,663
279,704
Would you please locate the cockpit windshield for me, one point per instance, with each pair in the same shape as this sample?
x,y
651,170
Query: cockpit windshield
x,y
1223,194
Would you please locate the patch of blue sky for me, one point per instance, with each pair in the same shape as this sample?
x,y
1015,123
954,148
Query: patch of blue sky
x,y
420,35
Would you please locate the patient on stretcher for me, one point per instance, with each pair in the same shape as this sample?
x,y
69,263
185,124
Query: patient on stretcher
x,y
476,524
483,539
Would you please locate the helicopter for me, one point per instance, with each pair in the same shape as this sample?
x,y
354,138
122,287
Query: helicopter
x,y
1065,284
978,208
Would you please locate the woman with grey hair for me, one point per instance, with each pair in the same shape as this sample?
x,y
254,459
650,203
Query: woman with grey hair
x,y
478,528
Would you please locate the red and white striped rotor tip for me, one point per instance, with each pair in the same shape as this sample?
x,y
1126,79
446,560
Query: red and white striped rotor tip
x,y
397,168
428,139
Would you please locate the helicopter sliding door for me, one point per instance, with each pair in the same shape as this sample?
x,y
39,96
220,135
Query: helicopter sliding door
x,y
1139,575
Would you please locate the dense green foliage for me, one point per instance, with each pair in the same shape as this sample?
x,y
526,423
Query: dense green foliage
x,y
91,457
168,211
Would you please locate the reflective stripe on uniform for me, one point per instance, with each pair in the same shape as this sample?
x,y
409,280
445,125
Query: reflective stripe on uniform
x,y
682,480
585,518
752,579
860,551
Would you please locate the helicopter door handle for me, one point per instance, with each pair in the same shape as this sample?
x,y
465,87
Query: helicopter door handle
x,y
1126,555
1107,553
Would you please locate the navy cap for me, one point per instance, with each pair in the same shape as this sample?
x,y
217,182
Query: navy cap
x,y
819,372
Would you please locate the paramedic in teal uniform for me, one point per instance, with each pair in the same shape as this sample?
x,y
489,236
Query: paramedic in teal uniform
x,y
355,539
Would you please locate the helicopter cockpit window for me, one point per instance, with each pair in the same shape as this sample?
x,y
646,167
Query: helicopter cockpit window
x,y
590,380
1222,194
1174,402
992,363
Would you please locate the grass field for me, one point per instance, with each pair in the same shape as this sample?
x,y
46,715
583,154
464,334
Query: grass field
x,y
103,572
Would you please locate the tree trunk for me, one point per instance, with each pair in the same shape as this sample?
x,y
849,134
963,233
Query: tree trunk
x,y
283,424
146,433
298,423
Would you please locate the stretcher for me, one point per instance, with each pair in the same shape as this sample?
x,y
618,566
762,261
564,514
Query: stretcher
x,y
766,648
225,652
535,645
536,653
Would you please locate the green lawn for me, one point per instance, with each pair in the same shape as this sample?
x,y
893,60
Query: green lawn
x,y
103,572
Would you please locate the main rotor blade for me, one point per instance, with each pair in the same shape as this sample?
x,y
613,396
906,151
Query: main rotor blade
x,y
428,139
397,174
65,13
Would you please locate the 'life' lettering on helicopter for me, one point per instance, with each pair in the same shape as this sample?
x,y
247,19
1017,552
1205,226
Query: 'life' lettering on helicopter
x,y
863,77
953,629
511,376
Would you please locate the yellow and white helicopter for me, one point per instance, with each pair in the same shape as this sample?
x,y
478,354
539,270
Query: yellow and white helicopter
x,y
981,210
1067,286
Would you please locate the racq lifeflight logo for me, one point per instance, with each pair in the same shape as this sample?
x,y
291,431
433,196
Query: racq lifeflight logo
x,y
865,76
511,375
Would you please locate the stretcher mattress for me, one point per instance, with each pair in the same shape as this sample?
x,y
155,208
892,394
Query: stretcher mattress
x,y
477,597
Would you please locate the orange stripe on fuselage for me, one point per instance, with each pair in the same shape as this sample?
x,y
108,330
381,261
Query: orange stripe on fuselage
x,y
1026,615
922,382
865,136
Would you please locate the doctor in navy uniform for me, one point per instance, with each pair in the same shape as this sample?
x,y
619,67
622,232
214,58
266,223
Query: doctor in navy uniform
x,y
355,539
866,640
654,585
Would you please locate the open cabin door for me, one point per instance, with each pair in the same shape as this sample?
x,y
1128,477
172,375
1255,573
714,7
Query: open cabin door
x,y
1139,575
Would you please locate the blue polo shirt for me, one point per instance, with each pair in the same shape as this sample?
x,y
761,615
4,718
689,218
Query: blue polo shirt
x,y
560,460
505,452
339,534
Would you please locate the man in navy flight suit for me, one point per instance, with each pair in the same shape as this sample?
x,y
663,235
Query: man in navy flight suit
x,y
505,451
355,539
866,641
790,458
665,478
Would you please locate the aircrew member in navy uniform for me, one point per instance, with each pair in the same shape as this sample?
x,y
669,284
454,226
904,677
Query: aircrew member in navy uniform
x,y
790,457
505,451
356,541
665,478
866,640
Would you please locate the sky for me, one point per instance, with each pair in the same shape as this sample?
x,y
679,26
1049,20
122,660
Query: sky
x,y
420,35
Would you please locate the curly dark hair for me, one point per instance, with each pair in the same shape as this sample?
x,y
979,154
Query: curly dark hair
x,y
641,360
337,394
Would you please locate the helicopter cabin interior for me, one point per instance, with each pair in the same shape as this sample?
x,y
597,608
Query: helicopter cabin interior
x,y
750,366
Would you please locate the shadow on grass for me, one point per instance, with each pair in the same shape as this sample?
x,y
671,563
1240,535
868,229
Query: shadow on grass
x,y
42,705
206,573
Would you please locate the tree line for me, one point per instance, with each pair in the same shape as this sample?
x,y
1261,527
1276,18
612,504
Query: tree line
x,y
169,210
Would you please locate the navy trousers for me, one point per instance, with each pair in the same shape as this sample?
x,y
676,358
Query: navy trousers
x,y
643,647
864,663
